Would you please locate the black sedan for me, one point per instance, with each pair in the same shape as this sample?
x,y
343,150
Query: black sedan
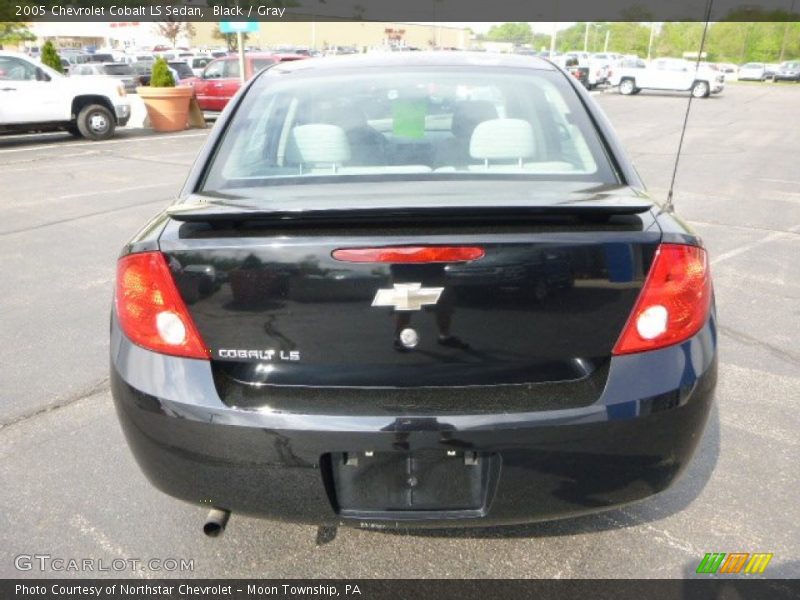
x,y
788,71
415,289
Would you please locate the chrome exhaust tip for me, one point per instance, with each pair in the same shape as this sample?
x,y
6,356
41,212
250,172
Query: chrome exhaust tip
x,y
215,522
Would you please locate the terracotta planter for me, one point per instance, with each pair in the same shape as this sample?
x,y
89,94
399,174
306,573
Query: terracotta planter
x,y
167,107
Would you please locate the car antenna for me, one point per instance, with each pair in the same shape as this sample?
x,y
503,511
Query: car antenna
x,y
669,205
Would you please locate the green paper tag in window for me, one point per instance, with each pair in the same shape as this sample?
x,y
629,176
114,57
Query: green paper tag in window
x,y
408,118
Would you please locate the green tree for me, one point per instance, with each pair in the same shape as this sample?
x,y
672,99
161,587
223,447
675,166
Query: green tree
x,y
628,38
518,33
676,38
14,33
571,38
742,42
230,39
162,76
50,57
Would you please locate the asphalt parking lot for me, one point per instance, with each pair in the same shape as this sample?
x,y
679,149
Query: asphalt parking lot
x,y
71,488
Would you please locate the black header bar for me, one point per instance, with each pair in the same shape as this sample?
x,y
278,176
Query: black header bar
x,y
275,11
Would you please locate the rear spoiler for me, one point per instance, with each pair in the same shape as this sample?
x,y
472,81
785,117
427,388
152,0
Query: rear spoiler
x,y
232,212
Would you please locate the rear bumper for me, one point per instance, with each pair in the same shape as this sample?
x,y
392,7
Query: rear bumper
x,y
632,443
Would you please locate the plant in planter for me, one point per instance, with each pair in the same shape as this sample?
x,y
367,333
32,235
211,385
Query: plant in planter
x,y
167,104
50,57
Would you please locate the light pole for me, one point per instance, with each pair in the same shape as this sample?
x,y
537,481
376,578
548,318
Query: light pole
x,y
786,31
650,43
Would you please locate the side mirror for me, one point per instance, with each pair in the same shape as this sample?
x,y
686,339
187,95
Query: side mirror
x,y
41,75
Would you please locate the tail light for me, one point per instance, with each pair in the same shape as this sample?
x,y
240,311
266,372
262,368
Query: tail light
x,y
410,254
150,310
674,302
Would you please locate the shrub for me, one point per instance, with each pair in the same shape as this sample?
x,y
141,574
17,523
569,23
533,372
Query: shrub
x,y
50,57
162,76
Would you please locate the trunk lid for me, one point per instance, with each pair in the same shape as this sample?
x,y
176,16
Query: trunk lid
x,y
545,303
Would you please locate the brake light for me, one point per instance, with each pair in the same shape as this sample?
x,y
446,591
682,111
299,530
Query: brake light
x,y
410,254
150,310
674,302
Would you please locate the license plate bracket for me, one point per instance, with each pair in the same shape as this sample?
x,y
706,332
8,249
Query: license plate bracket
x,y
428,481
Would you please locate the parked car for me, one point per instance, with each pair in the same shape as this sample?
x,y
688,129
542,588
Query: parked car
x,y
120,71
394,192
185,75
753,72
771,69
788,71
198,62
628,64
674,74
730,70
581,73
80,59
220,79
598,70
143,71
34,97
139,58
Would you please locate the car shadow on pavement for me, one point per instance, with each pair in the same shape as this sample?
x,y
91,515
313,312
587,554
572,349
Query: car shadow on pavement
x,y
665,504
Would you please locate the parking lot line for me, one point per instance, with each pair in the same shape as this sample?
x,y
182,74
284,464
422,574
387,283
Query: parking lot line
x,y
781,181
117,190
146,138
747,247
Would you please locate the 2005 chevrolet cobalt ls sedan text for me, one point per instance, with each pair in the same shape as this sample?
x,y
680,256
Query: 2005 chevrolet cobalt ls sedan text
x,y
416,290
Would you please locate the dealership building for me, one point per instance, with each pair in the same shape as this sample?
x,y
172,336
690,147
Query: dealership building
x,y
293,30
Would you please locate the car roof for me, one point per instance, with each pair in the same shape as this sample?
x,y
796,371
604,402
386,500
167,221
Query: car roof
x,y
418,59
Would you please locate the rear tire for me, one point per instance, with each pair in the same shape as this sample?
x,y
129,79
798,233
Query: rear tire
x,y
628,87
95,122
700,89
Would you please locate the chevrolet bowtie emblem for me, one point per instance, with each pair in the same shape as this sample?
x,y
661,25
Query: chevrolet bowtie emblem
x,y
407,296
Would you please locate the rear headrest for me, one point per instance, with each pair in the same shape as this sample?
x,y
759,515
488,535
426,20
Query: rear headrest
x,y
317,143
468,113
502,139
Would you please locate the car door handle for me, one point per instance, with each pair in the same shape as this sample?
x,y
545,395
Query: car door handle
x,y
217,85
8,89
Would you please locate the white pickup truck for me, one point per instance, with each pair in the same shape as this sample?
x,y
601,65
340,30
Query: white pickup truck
x,y
674,74
34,97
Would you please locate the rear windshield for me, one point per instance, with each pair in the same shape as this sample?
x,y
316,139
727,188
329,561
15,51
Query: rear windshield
x,y
118,69
408,124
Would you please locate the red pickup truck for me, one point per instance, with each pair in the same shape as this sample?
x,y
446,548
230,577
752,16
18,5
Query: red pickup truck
x,y
221,78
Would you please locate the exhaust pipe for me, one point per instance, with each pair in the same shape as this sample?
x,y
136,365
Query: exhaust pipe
x,y
215,522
